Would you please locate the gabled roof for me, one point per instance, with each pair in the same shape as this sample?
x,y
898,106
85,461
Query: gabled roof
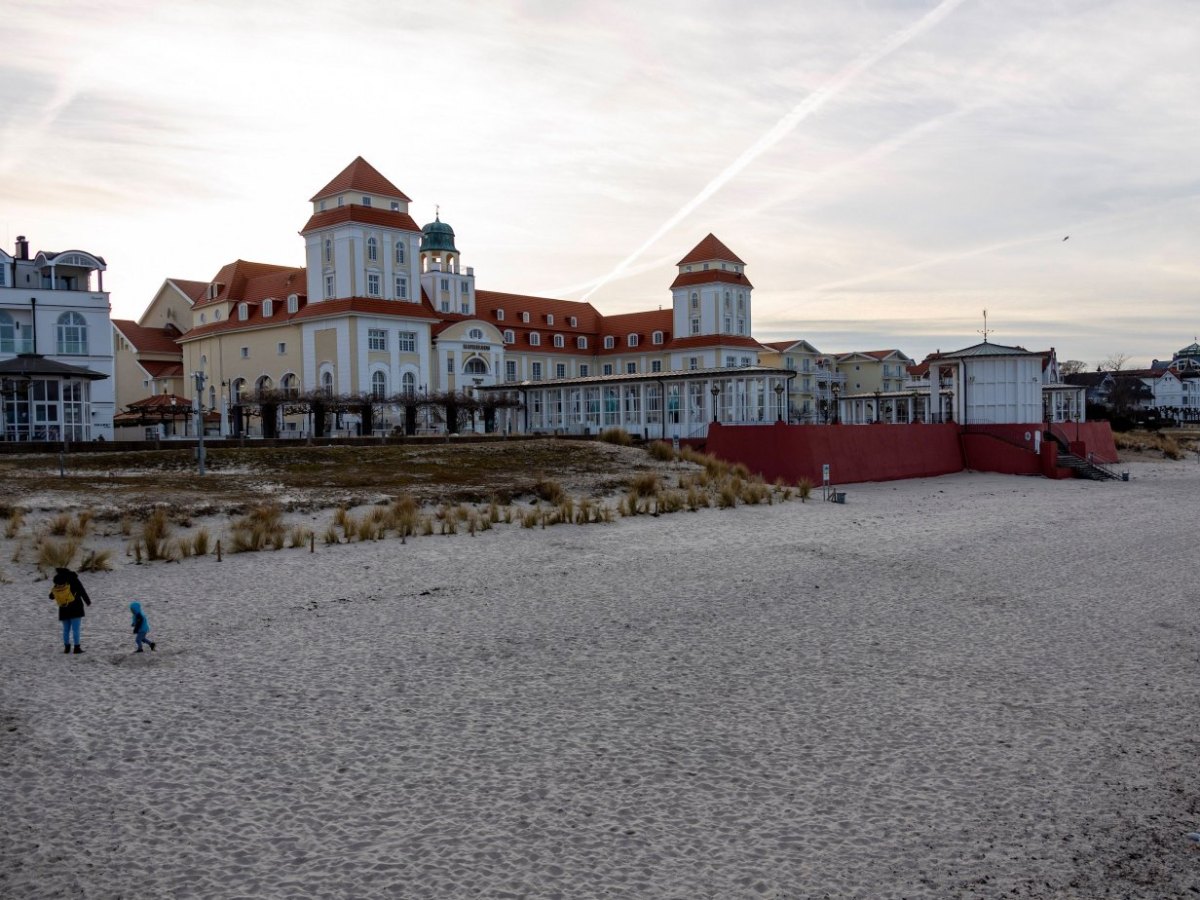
x,y
360,175
193,290
708,249
242,280
157,368
149,340
784,346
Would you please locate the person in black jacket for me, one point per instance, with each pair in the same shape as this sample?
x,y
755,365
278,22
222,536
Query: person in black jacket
x,y
68,592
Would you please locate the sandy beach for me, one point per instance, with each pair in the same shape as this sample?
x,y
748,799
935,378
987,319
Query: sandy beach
x,y
972,686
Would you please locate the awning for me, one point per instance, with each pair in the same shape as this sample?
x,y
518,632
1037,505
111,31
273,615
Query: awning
x,y
34,365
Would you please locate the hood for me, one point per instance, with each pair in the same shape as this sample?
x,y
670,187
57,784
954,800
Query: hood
x,y
135,607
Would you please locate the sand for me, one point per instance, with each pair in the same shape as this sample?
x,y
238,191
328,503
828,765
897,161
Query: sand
x,y
969,686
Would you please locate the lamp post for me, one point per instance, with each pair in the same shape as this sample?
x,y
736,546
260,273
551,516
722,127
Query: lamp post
x,y
837,417
716,392
779,400
199,376
950,406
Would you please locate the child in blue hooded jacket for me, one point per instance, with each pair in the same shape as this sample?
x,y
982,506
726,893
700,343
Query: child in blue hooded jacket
x,y
141,626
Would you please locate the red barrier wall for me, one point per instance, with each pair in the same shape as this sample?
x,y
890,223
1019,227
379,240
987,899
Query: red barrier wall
x,y
1096,437
854,452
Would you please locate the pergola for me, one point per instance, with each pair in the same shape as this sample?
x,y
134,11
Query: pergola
x,y
44,399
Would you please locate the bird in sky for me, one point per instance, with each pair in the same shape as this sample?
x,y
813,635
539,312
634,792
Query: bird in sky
x,y
1067,238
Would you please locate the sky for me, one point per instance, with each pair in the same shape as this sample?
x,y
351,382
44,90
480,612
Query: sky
x,y
887,169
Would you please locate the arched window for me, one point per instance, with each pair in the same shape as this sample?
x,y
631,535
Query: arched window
x,y
559,341
657,337
609,342
378,385
399,253
8,334
72,335
695,300
408,384
372,250
535,339
237,390
268,308
509,336
263,385
290,385
581,343
327,383
475,334
475,366
631,340
328,251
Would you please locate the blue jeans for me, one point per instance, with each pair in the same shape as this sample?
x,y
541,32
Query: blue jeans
x,y
71,628
142,638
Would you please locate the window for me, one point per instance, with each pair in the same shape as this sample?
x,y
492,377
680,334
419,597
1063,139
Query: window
x,y
464,307
281,348
406,341
609,342
372,284
263,385
372,249
449,363
581,343
466,288
399,251
608,370
376,339
408,384
216,315
366,201
549,318
72,334
328,251
536,371
583,370
445,284
510,370
693,362
524,317
559,341
695,325
328,287
730,362
728,324
695,300
245,353
201,318
268,307
747,361
560,370
475,334
243,312
656,365
631,368
656,338
395,206
499,315
741,303
728,302
509,336
535,339
290,385
378,385
572,321
237,390
293,303
445,306
475,366
741,326
327,383
341,202
631,340
401,287
8,331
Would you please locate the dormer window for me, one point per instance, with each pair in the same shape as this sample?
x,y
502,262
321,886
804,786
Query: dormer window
x,y
631,340
657,337
524,317
535,339
559,341
499,315
609,342
549,318
321,206
243,312
366,201
581,342
509,337
574,322
395,206
341,202
293,304
268,307
216,315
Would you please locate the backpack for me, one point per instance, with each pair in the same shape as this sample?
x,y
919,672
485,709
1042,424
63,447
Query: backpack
x,y
62,594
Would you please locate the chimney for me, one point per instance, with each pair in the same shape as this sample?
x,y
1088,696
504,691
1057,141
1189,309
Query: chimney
x,y
22,247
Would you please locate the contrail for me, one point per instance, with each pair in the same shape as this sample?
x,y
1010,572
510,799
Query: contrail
x,y
784,126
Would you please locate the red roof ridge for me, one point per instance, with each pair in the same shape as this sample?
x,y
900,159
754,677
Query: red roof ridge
x,y
360,175
710,248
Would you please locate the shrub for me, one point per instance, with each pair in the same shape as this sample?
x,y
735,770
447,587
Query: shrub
x,y
727,496
59,524
96,561
259,528
15,519
549,490
331,535
299,536
82,524
661,451
155,530
645,484
56,554
618,436
529,518
804,488
200,542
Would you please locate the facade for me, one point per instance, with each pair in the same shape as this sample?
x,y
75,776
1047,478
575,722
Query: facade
x,y
56,351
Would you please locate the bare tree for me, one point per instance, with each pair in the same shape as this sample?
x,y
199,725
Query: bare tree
x,y
1072,367
1115,362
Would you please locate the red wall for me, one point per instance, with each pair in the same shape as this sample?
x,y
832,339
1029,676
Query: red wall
x,y
887,452
1096,437
854,452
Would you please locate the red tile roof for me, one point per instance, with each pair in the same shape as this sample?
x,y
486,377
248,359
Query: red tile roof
x,y
367,306
709,249
360,175
714,340
708,276
487,302
193,290
242,280
367,215
161,369
149,340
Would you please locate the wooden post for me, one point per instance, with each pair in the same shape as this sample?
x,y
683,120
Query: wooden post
x,y
218,550
312,543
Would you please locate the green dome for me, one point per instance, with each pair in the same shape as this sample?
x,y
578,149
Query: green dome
x,y
437,235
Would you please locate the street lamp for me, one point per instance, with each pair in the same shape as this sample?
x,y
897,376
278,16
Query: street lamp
x,y
716,392
779,400
199,376
837,390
